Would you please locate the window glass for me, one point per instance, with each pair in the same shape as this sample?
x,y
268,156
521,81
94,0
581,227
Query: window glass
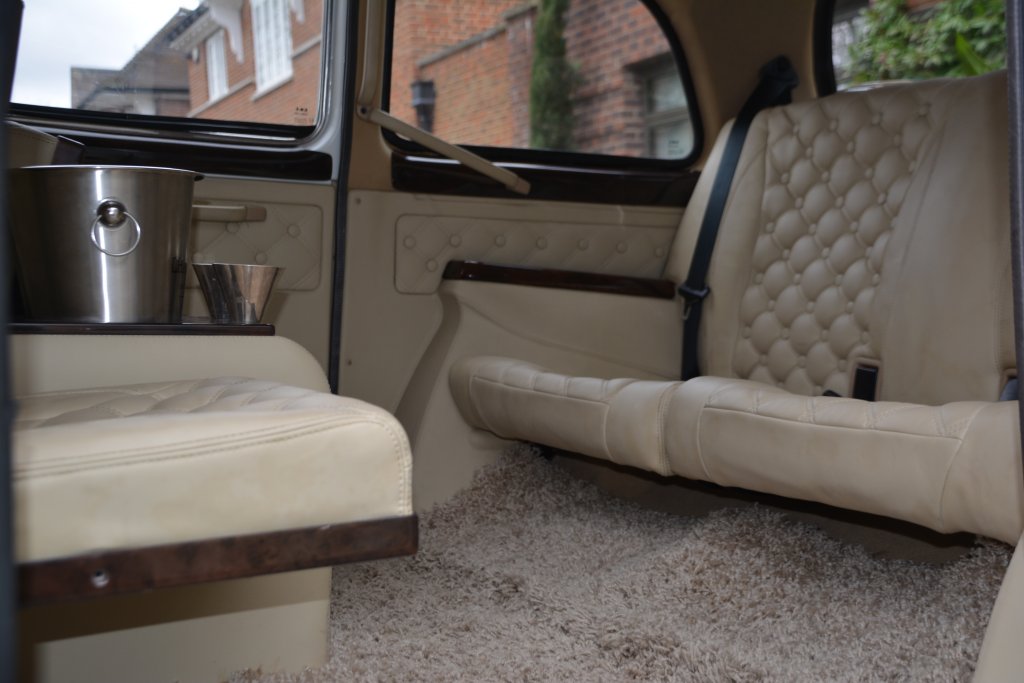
x,y
592,76
892,40
232,60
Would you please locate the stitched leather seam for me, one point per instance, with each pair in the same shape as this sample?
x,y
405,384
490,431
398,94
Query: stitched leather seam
x,y
62,461
144,458
514,433
474,380
200,445
700,423
509,385
159,406
129,390
659,427
606,445
949,470
835,426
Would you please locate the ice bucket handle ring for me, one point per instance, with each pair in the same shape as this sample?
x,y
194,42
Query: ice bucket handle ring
x,y
112,214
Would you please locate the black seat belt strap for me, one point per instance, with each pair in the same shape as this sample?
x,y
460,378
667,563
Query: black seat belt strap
x,y
777,82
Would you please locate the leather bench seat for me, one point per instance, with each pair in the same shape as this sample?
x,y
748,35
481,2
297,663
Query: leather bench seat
x,y
134,466
943,467
861,229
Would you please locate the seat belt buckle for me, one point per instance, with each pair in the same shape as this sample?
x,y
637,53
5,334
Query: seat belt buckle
x,y
691,296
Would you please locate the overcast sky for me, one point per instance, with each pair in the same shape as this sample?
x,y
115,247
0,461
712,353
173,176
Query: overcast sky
x,y
59,34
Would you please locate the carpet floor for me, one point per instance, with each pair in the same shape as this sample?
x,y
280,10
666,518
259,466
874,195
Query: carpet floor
x,y
534,575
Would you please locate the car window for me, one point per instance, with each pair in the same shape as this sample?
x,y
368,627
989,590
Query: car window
x,y
252,61
892,40
590,76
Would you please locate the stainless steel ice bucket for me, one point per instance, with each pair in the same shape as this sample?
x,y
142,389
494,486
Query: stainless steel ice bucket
x,y
102,243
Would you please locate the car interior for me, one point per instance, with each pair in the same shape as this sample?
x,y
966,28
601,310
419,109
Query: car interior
x,y
676,256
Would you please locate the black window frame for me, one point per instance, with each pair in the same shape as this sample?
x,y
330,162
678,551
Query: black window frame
x,y
560,161
824,69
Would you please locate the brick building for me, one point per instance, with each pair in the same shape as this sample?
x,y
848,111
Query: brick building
x,y
628,99
254,60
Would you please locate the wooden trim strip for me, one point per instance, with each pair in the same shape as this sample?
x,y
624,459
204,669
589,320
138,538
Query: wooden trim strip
x,y
185,328
560,279
143,569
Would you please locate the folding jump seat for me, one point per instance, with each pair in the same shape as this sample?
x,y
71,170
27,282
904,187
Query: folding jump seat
x,y
866,235
219,470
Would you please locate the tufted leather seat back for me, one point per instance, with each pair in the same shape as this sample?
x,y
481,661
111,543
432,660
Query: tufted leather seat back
x,y
846,238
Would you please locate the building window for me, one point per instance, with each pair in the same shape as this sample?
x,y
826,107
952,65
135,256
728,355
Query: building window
x,y
216,67
667,119
272,37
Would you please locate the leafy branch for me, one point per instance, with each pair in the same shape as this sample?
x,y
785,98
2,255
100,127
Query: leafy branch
x,y
954,38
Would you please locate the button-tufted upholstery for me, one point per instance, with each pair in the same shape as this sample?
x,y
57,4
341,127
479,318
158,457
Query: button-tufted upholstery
x,y
290,237
426,243
867,227
152,464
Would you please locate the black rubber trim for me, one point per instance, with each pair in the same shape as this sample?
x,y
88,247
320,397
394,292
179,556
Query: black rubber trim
x,y
560,160
555,183
824,69
10,24
341,201
1015,85
206,158
865,383
146,123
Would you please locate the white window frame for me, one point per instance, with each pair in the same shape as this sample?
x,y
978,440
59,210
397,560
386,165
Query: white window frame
x,y
272,43
216,67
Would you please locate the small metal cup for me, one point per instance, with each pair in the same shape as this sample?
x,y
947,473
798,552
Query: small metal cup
x,y
236,292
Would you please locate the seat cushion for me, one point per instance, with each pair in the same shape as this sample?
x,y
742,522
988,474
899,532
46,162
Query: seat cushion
x,y
617,420
150,464
954,467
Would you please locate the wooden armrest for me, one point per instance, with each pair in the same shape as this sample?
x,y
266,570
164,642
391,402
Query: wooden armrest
x,y
141,569
560,279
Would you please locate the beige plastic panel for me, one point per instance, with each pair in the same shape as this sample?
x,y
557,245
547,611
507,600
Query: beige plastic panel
x,y
426,243
290,238
397,347
200,634
65,362
593,334
297,235
387,331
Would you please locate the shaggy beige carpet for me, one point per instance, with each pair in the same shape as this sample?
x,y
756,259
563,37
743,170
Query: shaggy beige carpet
x,y
532,575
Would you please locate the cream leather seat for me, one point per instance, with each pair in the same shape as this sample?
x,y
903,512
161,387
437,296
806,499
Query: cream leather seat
x,y
199,489
144,465
862,229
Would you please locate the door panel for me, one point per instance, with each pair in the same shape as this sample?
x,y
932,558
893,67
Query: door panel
x,y
297,235
398,244
637,245
404,326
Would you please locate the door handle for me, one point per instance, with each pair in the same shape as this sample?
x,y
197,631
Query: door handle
x,y
228,213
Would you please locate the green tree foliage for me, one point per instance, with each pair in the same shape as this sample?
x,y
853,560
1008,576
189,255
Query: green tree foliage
x,y
551,80
953,38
